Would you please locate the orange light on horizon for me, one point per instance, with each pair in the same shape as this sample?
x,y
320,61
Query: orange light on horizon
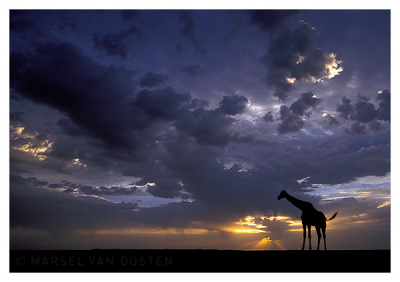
x,y
145,231
249,231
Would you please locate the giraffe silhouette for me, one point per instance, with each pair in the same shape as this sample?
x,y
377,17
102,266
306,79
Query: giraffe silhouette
x,y
310,216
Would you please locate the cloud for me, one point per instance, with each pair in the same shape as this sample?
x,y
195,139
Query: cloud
x,y
188,30
116,43
344,108
345,168
233,105
268,117
289,122
185,168
220,194
209,127
254,189
364,115
363,111
165,188
293,57
98,100
270,20
330,120
356,128
213,127
292,119
305,102
198,103
164,103
59,75
106,121
150,79
384,105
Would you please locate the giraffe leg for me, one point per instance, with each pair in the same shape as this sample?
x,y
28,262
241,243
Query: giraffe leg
x,y
309,235
319,236
304,236
323,235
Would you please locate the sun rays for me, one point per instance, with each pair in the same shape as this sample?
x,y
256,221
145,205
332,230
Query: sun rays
x,y
264,244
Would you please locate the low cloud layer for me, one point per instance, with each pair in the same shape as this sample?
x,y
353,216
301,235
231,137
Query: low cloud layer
x,y
293,57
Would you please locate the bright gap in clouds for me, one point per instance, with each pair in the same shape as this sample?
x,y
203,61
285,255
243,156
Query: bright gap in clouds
x,y
369,188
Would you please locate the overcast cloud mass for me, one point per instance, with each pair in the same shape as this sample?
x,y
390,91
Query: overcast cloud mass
x,y
178,129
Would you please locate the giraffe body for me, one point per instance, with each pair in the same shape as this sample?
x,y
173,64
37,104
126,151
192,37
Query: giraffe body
x,y
310,217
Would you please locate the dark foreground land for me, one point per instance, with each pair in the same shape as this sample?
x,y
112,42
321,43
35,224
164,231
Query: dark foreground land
x,y
199,261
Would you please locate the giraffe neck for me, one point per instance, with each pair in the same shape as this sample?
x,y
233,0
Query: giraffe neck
x,y
297,203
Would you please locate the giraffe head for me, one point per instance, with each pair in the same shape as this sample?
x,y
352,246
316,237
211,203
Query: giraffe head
x,y
282,195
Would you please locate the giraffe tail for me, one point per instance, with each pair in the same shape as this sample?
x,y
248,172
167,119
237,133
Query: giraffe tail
x,y
332,216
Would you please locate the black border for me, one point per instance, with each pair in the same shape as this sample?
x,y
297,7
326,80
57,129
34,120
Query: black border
x,y
199,261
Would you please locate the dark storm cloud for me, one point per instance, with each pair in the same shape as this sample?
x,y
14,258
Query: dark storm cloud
x,y
293,57
289,122
364,111
330,120
209,127
270,20
356,127
165,188
365,116
198,103
344,108
116,43
254,138
384,105
150,79
213,127
164,103
98,100
31,181
233,105
254,190
292,119
188,30
304,103
345,168
207,180
103,105
268,117
58,74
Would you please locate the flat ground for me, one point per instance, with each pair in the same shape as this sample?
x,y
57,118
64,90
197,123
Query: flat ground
x,y
199,261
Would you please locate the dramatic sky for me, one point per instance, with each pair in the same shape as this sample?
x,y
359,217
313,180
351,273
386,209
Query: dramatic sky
x,y
179,128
